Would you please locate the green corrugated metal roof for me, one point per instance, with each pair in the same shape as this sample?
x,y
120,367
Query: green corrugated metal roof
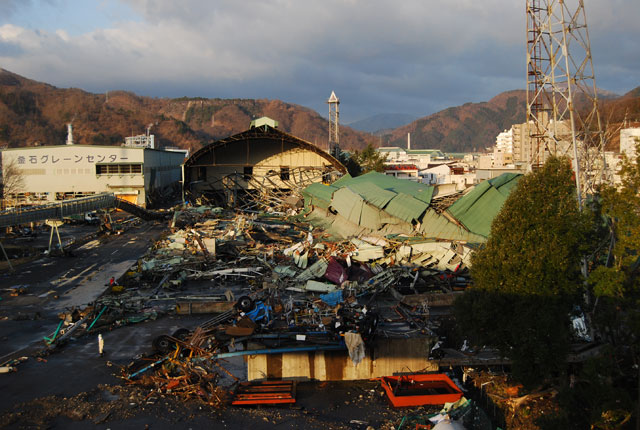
x,y
342,227
503,179
464,203
435,226
372,193
483,212
343,179
436,152
405,207
319,194
348,204
319,219
417,190
371,217
477,209
374,200
505,182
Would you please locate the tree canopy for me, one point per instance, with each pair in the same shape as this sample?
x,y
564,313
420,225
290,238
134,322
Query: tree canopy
x,y
536,240
527,282
527,277
367,160
617,275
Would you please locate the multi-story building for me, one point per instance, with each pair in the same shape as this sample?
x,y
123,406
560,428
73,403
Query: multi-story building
x,y
58,172
629,138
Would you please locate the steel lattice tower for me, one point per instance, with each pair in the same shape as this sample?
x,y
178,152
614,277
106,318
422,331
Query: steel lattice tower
x,y
334,125
562,100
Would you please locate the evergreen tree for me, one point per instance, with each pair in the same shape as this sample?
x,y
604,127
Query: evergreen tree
x,y
526,279
368,160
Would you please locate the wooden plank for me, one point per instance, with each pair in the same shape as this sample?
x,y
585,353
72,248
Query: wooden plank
x,y
264,393
203,307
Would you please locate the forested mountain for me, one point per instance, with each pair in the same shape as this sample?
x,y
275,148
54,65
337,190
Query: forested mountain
x,y
32,112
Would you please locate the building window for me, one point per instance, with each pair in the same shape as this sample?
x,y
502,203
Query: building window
x,y
248,172
284,173
118,169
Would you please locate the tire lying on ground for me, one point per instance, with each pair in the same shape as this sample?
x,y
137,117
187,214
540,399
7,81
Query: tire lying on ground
x,y
245,304
163,344
182,334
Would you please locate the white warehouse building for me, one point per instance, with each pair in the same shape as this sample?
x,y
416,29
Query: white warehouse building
x,y
53,173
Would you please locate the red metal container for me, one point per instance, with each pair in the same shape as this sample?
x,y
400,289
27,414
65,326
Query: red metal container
x,y
420,389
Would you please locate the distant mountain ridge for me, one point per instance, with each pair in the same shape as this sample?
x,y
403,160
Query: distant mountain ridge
x,y
470,127
33,112
474,126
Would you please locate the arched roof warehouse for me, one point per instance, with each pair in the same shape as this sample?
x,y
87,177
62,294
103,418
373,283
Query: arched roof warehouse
x,y
262,157
263,134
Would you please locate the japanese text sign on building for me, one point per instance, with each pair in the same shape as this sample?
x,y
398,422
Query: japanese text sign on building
x,y
52,159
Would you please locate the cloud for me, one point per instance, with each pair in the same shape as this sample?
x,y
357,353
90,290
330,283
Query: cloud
x,y
414,56
9,7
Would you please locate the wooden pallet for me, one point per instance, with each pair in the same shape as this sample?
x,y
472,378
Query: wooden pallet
x,y
265,393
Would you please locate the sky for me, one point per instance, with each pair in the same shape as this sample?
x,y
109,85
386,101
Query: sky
x,y
380,56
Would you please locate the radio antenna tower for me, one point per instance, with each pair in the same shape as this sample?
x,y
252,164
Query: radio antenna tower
x,y
334,124
562,99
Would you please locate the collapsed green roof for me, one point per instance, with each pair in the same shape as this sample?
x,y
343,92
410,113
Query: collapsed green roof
x,y
319,194
419,191
374,202
477,209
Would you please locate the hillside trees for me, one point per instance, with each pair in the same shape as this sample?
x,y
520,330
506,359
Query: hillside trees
x,y
526,279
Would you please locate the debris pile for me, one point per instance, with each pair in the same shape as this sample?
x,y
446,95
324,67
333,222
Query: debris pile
x,y
278,286
184,379
375,261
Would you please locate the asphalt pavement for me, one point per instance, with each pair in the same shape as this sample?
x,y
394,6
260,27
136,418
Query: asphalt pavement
x,y
51,285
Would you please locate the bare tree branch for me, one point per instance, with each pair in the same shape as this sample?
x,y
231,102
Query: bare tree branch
x,y
12,180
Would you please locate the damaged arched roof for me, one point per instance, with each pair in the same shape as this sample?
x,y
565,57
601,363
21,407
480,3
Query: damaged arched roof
x,y
264,132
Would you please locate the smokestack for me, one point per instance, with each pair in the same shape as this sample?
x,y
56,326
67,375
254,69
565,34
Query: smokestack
x,y
69,134
409,141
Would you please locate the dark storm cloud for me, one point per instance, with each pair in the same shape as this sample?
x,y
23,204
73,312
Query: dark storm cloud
x,y
414,56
